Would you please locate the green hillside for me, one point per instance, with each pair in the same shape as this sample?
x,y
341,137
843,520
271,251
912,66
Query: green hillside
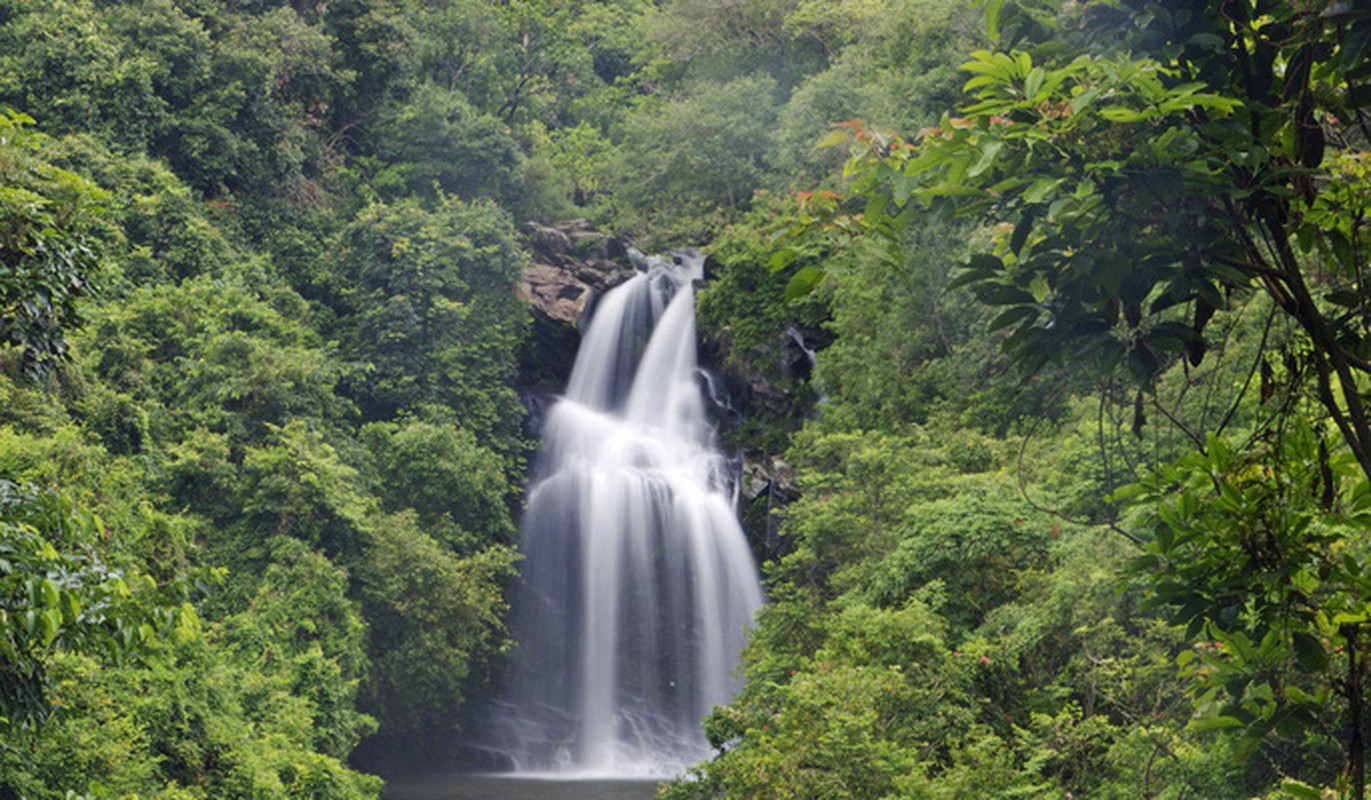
x,y
1074,502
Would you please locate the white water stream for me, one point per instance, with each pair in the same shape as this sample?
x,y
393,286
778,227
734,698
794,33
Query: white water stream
x,y
637,583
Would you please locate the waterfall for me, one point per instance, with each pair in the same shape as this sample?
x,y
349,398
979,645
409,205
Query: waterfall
x,y
637,583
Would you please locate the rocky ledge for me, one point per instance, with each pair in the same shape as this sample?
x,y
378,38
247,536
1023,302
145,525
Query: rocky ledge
x,y
571,263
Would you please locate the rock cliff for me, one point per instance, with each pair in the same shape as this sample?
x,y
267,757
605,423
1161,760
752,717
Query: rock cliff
x,y
571,263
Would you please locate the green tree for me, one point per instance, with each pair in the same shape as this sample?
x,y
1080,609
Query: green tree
x,y
1226,183
436,141
438,621
1133,196
48,255
233,102
305,635
685,164
1269,574
716,40
60,592
457,488
427,297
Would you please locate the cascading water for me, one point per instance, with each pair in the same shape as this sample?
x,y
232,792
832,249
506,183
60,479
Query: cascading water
x,y
637,582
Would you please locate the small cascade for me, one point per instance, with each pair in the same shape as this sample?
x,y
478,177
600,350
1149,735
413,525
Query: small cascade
x,y
637,582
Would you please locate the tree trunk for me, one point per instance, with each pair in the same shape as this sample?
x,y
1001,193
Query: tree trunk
x,y
1356,755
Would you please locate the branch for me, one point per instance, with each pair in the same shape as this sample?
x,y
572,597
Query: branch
x,y
1256,363
1260,270
1112,525
1271,278
1356,110
1180,425
1329,353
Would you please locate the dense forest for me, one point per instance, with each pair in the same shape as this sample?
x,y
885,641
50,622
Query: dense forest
x,y
1074,502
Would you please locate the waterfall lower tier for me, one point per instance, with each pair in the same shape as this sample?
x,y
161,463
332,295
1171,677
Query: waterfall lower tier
x,y
637,583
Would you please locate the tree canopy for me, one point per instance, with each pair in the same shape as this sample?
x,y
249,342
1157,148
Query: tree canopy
x,y
1042,325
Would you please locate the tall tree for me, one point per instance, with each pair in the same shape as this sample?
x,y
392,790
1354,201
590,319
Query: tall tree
x,y
48,258
1142,166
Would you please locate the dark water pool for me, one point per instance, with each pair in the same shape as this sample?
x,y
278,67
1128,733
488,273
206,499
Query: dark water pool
x,y
483,787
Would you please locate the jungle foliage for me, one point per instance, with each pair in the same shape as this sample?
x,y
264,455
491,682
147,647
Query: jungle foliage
x,y
1161,211
1080,496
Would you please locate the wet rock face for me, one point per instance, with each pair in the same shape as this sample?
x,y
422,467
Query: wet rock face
x,y
767,473
571,263
767,485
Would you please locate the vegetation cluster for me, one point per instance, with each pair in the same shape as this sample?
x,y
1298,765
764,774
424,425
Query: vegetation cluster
x,y
1082,464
